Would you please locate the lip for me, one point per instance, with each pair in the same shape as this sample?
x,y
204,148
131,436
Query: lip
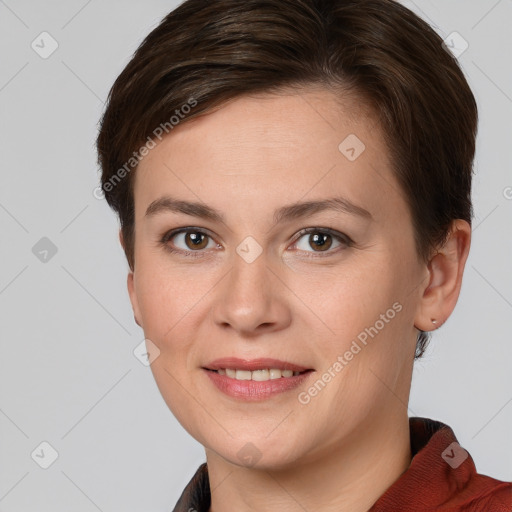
x,y
252,390
254,364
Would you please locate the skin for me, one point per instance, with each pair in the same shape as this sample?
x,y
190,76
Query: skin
x,y
350,442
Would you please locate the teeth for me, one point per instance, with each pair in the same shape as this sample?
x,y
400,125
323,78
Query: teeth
x,y
259,375
274,374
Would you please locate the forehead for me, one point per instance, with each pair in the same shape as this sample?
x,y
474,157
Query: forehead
x,y
289,119
272,149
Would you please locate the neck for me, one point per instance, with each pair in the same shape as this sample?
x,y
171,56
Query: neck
x,y
349,477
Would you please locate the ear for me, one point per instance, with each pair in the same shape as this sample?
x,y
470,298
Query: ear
x,y
131,289
445,268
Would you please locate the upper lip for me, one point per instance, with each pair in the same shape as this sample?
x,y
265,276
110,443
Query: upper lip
x,y
254,364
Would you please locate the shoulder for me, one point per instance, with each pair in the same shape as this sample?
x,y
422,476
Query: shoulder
x,y
488,495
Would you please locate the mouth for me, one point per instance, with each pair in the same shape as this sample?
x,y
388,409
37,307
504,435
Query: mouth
x,y
260,375
261,370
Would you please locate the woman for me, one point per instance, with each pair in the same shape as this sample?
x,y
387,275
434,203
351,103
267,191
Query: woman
x,y
293,181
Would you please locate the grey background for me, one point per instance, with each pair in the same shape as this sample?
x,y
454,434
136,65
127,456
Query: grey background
x,y
68,375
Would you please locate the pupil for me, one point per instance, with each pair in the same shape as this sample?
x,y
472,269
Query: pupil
x,y
196,238
320,240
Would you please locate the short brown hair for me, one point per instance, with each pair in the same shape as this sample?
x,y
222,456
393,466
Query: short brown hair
x,y
206,52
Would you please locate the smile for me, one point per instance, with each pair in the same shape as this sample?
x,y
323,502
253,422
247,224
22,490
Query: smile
x,y
259,375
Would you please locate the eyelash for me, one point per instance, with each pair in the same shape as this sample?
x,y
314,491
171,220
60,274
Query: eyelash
x,y
344,239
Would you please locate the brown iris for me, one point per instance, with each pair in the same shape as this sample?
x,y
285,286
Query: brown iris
x,y
322,240
197,240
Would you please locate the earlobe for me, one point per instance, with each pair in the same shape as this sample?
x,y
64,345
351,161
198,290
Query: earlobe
x,y
445,268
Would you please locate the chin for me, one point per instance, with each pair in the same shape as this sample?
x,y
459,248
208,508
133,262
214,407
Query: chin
x,y
258,452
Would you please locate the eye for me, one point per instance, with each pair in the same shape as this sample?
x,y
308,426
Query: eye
x,y
191,240
321,240
194,240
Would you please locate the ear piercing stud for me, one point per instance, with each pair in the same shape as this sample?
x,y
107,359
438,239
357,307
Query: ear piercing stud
x,y
434,322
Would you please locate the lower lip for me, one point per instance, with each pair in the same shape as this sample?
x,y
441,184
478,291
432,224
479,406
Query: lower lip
x,y
253,390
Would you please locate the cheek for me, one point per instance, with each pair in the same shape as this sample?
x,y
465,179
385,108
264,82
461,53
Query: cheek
x,y
366,319
174,301
347,299
165,293
166,301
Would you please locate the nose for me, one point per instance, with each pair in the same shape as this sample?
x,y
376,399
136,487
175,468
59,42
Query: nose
x,y
252,299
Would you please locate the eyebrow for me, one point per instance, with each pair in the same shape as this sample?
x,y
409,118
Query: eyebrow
x,y
283,214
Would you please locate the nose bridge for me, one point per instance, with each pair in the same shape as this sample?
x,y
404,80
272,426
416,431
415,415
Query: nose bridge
x,y
249,280
249,296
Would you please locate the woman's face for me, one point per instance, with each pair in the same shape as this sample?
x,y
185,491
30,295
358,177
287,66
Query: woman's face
x,y
338,299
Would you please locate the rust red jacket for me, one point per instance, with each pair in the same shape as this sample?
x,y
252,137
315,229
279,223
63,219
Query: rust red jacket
x,y
441,478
